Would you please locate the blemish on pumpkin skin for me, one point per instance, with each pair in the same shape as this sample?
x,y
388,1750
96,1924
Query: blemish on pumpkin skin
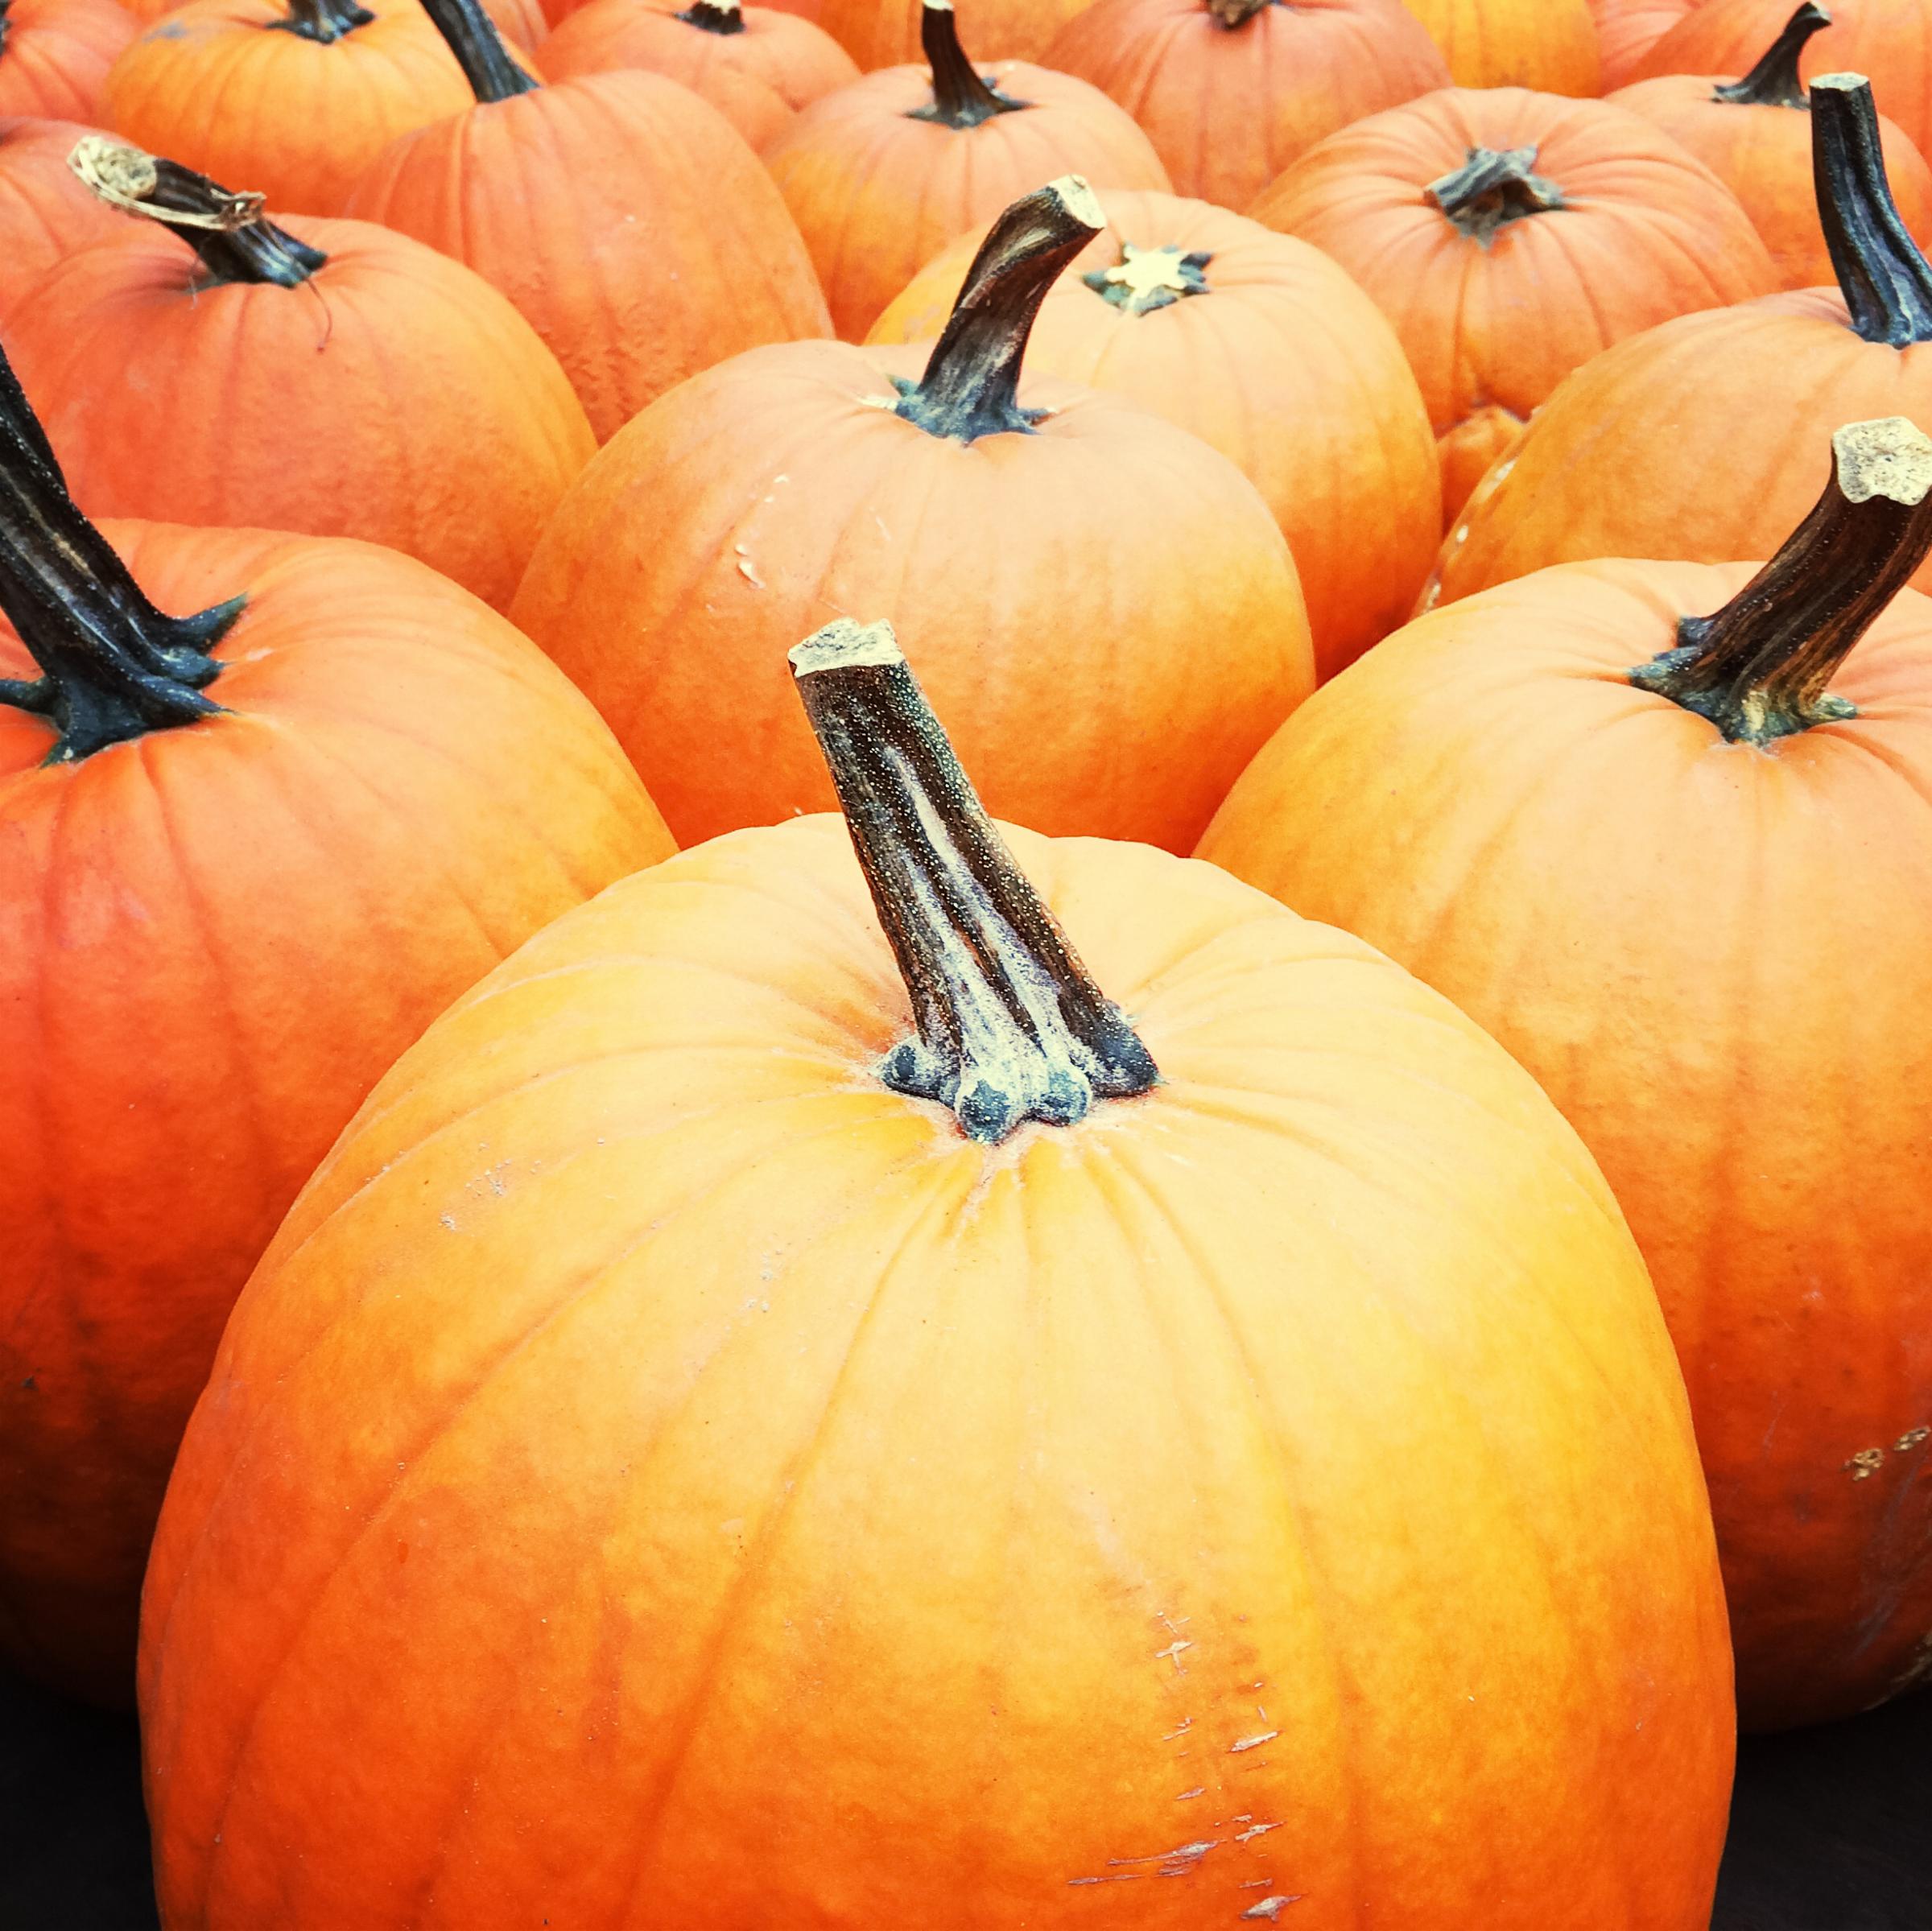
x,y
1866,1463
1911,1438
1252,1742
1269,1908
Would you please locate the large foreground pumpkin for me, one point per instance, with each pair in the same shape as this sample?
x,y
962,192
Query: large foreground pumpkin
x,y
244,857
1689,887
699,1458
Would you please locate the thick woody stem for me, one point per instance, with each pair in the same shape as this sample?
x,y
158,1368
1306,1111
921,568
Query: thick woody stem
x,y
323,21
1887,283
960,97
485,61
1774,82
715,16
1493,187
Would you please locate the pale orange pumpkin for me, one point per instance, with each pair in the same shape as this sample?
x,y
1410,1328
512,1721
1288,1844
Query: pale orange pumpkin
x,y
1627,29
54,55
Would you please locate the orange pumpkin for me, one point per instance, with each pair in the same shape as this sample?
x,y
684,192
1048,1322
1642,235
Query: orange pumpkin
x,y
1690,439
633,229
1232,91
54,55
1752,133
45,213
1692,898
1034,543
1264,347
1550,45
244,857
1627,29
882,175
735,1435
889,33
335,378
1510,236
521,22
756,66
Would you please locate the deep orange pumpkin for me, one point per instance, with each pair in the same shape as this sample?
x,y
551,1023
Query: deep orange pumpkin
x,y
54,55
881,175
1232,91
45,213
1627,29
890,33
335,378
1689,888
1262,347
624,217
1753,133
698,1457
1510,236
758,67
1025,554
1689,440
1550,45
244,858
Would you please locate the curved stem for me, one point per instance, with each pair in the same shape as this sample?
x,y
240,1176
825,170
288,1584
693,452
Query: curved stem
x,y
960,98
1010,1027
112,667
485,61
1759,667
970,385
1886,281
715,16
1493,187
324,21
1232,14
1773,82
235,240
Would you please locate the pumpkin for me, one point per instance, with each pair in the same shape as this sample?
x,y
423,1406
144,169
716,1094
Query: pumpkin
x,y
1510,236
1753,134
737,1435
244,857
54,55
1232,91
332,378
1888,38
295,97
756,66
1261,346
880,176
1627,29
626,219
890,33
1029,538
520,22
1689,440
1550,45
1691,898
45,213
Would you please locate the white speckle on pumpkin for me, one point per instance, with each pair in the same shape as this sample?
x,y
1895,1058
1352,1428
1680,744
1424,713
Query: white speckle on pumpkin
x,y
1910,1439
1866,1463
1269,1908
1252,1742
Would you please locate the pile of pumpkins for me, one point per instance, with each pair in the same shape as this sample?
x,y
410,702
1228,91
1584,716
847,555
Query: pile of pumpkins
x,y
1295,1331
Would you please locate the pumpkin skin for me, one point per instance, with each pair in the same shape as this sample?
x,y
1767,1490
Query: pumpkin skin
x,y
1491,327
876,194
758,77
732,1636
1227,108
216,939
1283,365
395,397
887,33
1627,29
1657,924
521,21
630,225
45,213
55,56
1550,45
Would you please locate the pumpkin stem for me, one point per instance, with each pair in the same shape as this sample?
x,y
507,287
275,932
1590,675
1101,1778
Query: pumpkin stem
x,y
715,16
1232,14
972,380
1758,668
1773,82
324,21
235,240
960,98
1493,187
112,666
6,7
1147,278
485,61
1010,1028
1886,281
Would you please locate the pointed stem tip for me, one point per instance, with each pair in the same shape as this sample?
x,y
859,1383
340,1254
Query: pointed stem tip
x,y
1774,81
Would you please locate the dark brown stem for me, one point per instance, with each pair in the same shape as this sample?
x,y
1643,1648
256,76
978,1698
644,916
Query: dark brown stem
x,y
1759,667
1232,13
1773,82
960,97
6,7
235,240
1493,187
1887,283
112,667
970,385
1147,278
1010,1028
485,61
715,16
324,21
